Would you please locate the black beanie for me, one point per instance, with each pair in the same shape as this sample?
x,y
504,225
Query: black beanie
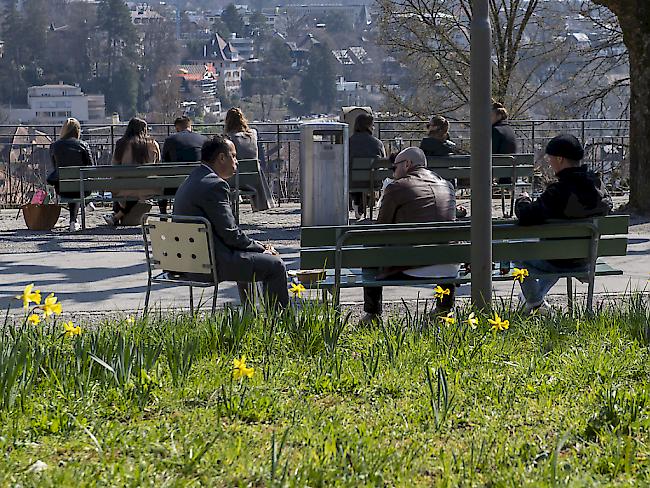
x,y
565,146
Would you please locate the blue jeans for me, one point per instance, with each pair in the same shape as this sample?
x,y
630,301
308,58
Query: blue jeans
x,y
535,289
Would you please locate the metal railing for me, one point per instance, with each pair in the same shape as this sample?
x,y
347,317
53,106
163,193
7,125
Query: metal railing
x,y
25,161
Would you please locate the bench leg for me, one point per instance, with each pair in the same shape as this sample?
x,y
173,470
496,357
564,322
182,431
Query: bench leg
x,y
569,293
590,294
191,301
146,297
214,297
83,214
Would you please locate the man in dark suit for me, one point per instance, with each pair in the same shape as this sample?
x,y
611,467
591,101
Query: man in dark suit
x,y
182,147
205,193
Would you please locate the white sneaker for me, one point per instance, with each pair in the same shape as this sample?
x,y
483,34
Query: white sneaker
x,y
90,207
74,226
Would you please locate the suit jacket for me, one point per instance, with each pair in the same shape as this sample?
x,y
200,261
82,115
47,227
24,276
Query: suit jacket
x,y
183,147
205,194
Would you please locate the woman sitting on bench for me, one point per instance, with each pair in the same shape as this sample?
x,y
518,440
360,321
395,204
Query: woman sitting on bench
x,y
136,147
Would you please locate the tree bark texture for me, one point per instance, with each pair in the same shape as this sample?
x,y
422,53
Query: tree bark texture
x,y
634,19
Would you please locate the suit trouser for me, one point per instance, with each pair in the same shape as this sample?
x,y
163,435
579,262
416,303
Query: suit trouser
x,y
372,296
270,271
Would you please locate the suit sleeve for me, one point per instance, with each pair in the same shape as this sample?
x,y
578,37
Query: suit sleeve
x,y
549,205
217,207
166,151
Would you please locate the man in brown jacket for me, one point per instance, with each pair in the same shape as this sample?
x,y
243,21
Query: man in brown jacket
x,y
416,195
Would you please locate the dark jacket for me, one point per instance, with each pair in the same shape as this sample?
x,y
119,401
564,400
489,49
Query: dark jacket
x,y
435,147
504,140
577,194
421,196
70,152
365,145
205,194
183,147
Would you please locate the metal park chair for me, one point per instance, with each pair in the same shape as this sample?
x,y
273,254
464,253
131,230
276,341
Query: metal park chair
x,y
179,250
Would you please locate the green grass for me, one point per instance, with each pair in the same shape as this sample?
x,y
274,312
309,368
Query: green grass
x,y
551,401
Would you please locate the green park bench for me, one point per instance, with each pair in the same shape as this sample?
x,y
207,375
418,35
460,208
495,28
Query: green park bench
x,y
351,254
161,180
514,166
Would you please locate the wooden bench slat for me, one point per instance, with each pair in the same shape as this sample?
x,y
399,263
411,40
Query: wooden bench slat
x,y
424,255
610,225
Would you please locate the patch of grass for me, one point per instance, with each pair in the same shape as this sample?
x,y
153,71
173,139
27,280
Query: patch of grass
x,y
551,401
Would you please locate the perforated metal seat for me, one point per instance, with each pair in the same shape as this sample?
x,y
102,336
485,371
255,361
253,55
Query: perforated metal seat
x,y
179,250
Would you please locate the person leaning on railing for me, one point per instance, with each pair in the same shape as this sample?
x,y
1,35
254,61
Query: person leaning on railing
x,y
69,150
134,148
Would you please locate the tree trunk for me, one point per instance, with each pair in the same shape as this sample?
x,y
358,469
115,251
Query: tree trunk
x,y
640,118
634,19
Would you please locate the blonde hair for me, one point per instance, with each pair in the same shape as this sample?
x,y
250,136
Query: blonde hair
x,y
499,109
236,121
71,129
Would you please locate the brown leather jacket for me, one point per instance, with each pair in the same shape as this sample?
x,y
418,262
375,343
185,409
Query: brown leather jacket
x,y
421,196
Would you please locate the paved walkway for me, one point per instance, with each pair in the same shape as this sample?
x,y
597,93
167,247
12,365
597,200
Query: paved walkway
x,y
103,269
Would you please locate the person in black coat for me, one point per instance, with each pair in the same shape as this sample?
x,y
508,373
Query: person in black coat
x,y
437,142
182,147
504,140
69,150
578,193
206,193
363,145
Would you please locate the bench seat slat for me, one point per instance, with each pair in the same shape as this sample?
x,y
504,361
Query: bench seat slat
x,y
366,277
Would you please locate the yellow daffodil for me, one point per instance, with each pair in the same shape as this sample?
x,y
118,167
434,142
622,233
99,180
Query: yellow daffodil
x,y
449,319
240,370
71,330
51,306
298,289
519,274
130,320
34,319
30,295
472,320
440,292
498,323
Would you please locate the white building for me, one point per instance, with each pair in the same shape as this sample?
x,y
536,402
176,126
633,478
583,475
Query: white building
x,y
243,45
56,103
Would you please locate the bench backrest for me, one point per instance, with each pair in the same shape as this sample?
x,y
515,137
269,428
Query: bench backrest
x,y
448,167
149,176
449,242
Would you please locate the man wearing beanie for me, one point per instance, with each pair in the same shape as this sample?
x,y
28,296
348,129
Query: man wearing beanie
x,y
578,193
416,195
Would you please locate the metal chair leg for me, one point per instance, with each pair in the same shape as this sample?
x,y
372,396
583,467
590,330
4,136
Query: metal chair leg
x,y
569,293
191,301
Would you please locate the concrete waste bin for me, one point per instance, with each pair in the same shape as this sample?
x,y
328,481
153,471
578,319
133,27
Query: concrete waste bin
x,y
324,173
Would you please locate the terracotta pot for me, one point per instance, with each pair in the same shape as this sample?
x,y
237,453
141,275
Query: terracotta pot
x,y
41,217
